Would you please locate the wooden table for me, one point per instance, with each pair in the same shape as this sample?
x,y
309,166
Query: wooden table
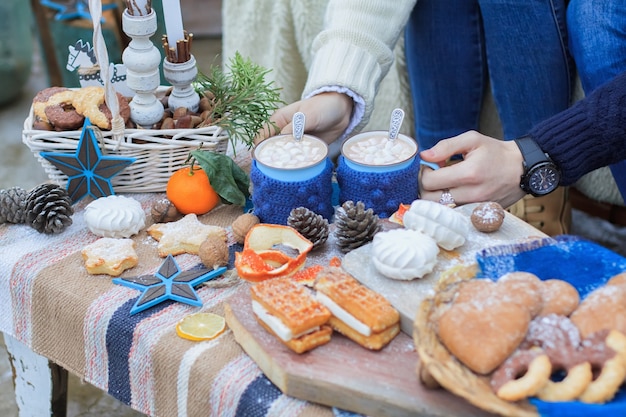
x,y
57,318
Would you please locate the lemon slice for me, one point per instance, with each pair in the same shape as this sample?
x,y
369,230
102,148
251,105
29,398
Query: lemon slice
x,y
201,326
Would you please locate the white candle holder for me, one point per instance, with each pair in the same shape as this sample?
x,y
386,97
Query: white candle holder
x,y
142,60
181,75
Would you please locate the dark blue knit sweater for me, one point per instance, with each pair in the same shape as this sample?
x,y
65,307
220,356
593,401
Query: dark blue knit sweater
x,y
589,135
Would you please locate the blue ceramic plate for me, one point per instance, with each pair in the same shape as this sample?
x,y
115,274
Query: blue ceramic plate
x,y
585,265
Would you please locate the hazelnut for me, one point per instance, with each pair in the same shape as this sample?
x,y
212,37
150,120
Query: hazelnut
x,y
180,112
205,114
213,252
242,225
183,122
164,211
204,104
195,120
168,123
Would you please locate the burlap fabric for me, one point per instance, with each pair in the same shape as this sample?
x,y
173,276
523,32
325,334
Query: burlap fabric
x,y
82,322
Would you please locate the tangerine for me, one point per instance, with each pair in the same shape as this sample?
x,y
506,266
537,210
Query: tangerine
x,y
190,190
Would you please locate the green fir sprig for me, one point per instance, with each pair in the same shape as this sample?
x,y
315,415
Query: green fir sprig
x,y
242,99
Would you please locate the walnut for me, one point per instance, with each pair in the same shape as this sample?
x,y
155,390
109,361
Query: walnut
x,y
164,211
242,225
213,252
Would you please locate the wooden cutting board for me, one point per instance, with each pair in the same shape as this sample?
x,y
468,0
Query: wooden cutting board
x,y
406,296
341,373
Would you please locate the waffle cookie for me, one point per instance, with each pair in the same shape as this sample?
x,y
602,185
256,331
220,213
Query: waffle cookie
x,y
288,311
359,313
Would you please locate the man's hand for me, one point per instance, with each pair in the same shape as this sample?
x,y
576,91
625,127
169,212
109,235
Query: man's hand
x,y
490,170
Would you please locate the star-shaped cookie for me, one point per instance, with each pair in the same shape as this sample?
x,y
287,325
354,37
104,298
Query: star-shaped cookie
x,y
168,283
109,256
88,171
183,236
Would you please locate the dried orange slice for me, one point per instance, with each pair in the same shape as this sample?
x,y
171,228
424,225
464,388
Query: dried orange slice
x,y
398,216
307,275
335,261
201,326
259,259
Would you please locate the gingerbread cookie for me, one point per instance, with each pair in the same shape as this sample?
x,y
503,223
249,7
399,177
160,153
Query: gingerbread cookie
x,y
110,256
487,217
602,309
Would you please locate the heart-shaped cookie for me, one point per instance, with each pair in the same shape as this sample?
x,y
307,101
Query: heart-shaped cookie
x,y
483,332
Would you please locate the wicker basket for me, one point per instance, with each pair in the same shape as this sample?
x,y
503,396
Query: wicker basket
x,y
438,363
158,153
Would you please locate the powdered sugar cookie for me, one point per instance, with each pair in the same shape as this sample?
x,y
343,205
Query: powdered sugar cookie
x,y
110,256
183,236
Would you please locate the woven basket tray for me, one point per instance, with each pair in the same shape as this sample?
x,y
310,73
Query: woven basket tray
x,y
451,374
158,153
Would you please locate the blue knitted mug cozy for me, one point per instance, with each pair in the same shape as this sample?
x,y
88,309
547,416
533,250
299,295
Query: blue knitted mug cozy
x,y
383,192
273,199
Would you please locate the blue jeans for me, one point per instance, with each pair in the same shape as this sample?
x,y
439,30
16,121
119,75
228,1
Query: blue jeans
x,y
453,47
597,33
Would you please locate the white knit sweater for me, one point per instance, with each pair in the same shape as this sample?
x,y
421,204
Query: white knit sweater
x,y
286,36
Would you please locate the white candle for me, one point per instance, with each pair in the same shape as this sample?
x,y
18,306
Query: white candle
x,y
173,22
139,7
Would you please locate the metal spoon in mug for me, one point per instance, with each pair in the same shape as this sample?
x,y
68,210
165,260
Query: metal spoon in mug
x,y
397,116
298,126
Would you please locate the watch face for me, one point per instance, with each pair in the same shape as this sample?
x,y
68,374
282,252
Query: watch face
x,y
543,179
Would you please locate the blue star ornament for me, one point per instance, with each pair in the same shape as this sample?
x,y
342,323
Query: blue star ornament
x,y
168,283
73,9
88,171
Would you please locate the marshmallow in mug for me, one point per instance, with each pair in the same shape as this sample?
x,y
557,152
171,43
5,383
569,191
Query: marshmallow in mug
x,y
286,153
378,150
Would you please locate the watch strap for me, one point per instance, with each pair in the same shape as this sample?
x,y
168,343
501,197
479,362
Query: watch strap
x,y
531,152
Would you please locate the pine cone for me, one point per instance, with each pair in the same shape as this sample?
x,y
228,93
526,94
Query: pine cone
x,y
49,208
309,224
12,203
355,225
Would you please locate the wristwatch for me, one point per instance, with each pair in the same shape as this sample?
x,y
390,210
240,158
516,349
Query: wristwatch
x,y
541,175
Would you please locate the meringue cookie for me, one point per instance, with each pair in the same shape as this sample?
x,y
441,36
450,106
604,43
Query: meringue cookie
x,y
447,226
404,254
115,216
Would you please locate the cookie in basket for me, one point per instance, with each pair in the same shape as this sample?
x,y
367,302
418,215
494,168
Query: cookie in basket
x,y
439,366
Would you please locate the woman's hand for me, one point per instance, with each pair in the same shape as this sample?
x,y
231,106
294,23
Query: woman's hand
x,y
490,170
327,117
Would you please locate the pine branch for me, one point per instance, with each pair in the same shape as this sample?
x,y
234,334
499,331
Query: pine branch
x,y
242,99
